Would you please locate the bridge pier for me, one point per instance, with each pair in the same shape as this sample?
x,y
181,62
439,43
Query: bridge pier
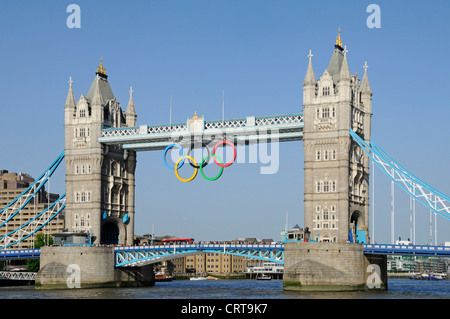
x,y
66,267
321,266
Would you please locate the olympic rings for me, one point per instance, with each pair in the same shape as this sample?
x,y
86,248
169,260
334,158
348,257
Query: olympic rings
x,y
203,163
234,150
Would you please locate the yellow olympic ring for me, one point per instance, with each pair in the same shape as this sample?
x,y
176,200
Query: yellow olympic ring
x,y
176,169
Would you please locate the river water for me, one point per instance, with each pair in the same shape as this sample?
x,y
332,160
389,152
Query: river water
x,y
234,289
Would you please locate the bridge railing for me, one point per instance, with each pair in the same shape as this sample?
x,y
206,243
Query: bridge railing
x,y
407,249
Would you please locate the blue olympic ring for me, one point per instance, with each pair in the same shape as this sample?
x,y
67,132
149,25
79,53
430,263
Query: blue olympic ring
x,y
182,155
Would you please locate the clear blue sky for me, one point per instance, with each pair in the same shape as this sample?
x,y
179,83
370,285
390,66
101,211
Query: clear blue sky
x,y
254,50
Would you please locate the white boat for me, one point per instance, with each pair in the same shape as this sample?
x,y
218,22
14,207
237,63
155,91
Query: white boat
x,y
197,278
264,277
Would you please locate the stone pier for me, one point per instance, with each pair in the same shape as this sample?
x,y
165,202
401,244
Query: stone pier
x,y
320,266
67,267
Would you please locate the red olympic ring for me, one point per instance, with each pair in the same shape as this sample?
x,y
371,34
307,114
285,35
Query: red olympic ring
x,y
214,153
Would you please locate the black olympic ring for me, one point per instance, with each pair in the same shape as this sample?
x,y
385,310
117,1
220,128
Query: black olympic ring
x,y
189,154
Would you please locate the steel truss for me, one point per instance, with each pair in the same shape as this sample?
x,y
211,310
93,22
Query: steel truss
x,y
418,189
34,225
13,208
136,256
17,275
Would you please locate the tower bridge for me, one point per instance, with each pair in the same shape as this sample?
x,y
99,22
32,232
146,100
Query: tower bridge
x,y
102,141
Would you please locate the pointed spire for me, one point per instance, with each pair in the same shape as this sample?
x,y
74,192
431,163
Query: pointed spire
x,y
131,111
344,73
130,108
310,77
97,96
365,86
70,100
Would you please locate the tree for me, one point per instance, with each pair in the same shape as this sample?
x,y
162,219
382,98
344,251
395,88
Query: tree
x,y
40,240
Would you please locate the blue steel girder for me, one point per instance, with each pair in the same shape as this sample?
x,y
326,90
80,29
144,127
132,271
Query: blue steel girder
x,y
143,255
418,189
130,255
34,225
242,131
12,209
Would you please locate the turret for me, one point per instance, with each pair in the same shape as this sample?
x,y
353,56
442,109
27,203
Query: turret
x,y
70,106
344,80
309,84
131,115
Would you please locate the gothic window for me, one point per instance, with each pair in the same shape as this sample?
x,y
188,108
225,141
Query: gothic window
x,y
115,169
82,132
318,188
333,209
317,113
77,197
325,155
88,196
318,155
83,196
333,186
325,214
326,187
326,112
318,209
89,170
333,154
82,221
115,197
326,91
333,112
76,132
77,169
82,113
82,169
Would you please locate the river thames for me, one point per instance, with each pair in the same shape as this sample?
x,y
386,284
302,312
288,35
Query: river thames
x,y
234,289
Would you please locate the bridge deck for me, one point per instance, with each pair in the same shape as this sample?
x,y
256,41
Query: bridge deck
x,y
269,252
246,130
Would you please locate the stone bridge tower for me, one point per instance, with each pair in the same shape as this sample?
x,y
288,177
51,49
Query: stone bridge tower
x,y
100,180
336,168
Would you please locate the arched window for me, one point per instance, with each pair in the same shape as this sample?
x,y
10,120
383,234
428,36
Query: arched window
x,y
115,169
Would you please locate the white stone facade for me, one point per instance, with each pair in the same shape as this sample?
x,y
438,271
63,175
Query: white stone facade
x,y
99,179
336,168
